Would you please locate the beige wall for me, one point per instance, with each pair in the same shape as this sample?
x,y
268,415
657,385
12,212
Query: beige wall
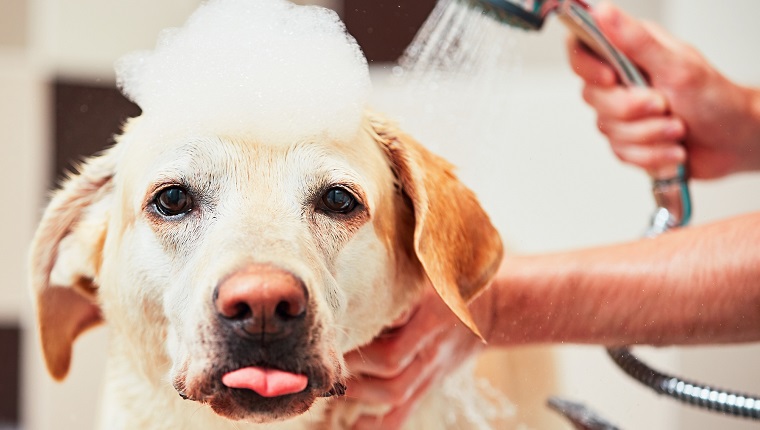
x,y
541,169
22,173
13,19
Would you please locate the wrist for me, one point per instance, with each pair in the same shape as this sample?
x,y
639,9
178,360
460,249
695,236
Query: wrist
x,y
519,307
751,159
755,109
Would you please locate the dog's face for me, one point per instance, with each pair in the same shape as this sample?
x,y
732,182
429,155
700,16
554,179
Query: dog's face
x,y
259,256
241,271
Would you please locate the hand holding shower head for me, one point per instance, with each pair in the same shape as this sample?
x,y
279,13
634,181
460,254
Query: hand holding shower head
x,y
670,188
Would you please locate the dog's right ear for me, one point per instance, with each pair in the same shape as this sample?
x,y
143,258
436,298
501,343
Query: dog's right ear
x,y
454,240
65,259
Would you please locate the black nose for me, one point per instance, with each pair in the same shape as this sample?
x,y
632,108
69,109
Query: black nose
x,y
261,300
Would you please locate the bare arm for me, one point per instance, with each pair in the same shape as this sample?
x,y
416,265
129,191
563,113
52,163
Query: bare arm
x,y
696,285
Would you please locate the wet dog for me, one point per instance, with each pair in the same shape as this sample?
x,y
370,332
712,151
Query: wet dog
x,y
234,274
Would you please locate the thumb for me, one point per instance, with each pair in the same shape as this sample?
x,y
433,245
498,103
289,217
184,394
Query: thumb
x,y
632,37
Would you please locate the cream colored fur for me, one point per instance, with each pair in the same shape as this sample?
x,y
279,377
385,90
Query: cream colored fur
x,y
102,253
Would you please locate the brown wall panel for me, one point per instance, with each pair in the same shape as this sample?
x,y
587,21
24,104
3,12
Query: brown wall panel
x,y
10,345
86,117
384,29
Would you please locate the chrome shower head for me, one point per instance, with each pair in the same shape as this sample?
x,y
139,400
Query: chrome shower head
x,y
525,14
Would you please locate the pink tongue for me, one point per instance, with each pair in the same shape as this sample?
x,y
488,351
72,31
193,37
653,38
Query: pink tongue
x,y
266,382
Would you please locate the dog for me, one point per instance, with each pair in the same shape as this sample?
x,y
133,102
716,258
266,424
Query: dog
x,y
216,260
250,227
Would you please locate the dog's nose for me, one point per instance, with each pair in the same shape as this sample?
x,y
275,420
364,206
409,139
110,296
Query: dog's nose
x,y
261,299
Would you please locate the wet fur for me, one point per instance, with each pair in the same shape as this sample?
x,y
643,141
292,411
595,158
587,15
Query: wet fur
x,y
102,253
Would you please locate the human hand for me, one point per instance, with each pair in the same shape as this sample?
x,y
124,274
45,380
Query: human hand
x,y
690,103
399,366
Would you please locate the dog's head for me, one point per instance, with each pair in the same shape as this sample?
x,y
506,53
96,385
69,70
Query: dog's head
x,y
241,271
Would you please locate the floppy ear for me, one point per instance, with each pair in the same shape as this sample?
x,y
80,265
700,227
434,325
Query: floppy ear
x,y
65,258
454,239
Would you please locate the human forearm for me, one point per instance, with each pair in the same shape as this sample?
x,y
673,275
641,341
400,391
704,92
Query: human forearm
x,y
697,285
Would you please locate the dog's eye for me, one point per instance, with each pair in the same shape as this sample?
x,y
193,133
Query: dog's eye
x,y
338,200
174,201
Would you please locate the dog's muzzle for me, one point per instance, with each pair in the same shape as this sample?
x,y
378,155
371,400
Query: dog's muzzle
x,y
269,360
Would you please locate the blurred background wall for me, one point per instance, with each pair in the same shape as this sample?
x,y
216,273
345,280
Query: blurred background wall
x,y
542,170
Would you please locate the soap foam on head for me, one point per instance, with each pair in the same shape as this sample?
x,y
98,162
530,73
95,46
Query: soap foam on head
x,y
266,69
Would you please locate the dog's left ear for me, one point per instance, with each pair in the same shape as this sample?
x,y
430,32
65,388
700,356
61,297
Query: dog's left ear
x,y
454,239
65,258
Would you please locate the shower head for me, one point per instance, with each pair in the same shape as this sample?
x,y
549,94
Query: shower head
x,y
670,189
524,14
575,14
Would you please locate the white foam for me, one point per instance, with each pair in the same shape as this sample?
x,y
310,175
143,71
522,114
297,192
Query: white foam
x,y
268,69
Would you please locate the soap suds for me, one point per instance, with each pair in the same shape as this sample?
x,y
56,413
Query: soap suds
x,y
265,69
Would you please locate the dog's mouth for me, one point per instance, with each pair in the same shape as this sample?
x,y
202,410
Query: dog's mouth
x,y
261,378
261,393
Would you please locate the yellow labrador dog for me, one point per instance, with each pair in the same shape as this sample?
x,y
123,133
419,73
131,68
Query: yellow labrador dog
x,y
253,225
234,274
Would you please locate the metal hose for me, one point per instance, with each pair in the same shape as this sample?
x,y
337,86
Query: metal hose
x,y
693,393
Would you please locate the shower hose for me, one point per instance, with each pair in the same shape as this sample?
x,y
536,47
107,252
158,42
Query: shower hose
x,y
674,210
693,393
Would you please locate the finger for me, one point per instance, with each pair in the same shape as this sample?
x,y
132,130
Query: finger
x,y
385,357
392,421
633,38
625,103
395,390
651,157
388,356
400,322
643,131
396,418
665,39
587,65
